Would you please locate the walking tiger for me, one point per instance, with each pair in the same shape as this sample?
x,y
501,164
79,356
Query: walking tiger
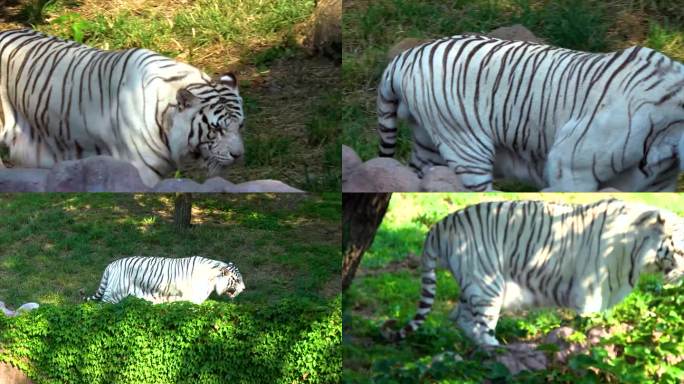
x,y
559,119
517,254
162,280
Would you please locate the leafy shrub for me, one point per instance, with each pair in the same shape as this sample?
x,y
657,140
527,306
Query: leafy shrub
x,y
137,342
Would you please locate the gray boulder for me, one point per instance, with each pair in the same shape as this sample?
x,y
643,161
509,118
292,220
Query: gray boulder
x,y
95,174
23,179
382,174
350,160
259,186
216,184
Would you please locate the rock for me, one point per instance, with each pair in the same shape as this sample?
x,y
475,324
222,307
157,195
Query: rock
x,y
558,336
405,44
515,32
564,354
27,307
382,174
610,189
177,185
6,311
95,174
10,374
350,160
522,356
441,179
595,335
258,186
216,184
23,179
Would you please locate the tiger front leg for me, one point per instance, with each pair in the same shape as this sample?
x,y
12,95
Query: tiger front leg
x,y
590,151
576,172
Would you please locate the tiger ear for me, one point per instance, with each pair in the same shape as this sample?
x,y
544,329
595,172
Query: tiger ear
x,y
651,219
224,271
228,79
185,99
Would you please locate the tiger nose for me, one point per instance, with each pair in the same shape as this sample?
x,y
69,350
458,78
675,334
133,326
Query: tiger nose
x,y
237,152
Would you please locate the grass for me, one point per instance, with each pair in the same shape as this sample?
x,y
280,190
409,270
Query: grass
x,y
54,245
261,40
385,288
286,247
371,28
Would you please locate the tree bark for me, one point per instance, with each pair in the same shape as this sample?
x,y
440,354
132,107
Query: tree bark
x,y
362,215
182,213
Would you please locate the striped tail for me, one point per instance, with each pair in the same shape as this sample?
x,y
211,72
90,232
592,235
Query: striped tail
x,y
101,289
387,115
427,298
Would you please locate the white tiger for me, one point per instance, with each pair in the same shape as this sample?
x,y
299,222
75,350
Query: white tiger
x,y
62,100
162,280
559,119
516,254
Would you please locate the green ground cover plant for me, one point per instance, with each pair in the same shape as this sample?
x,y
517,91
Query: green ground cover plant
x,y
387,286
285,327
370,28
285,91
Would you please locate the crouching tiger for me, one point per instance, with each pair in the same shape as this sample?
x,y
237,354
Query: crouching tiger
x,y
516,254
162,280
62,101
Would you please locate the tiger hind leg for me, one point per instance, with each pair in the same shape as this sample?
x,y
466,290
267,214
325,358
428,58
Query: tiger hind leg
x,y
478,320
424,153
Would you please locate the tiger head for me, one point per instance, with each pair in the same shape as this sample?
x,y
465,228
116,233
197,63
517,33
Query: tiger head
x,y
229,281
669,258
207,125
672,263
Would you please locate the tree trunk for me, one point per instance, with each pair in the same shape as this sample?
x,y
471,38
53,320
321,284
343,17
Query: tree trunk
x,y
182,213
362,215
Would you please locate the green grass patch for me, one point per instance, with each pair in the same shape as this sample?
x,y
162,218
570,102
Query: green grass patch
x,y
286,247
386,289
293,340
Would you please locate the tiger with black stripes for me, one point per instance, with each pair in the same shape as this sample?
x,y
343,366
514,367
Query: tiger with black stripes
x,y
559,119
163,280
62,101
518,254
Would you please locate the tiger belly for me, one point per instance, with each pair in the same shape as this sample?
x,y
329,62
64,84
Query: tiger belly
x,y
517,296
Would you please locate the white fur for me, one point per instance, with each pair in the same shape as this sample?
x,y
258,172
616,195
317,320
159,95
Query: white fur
x,y
470,107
